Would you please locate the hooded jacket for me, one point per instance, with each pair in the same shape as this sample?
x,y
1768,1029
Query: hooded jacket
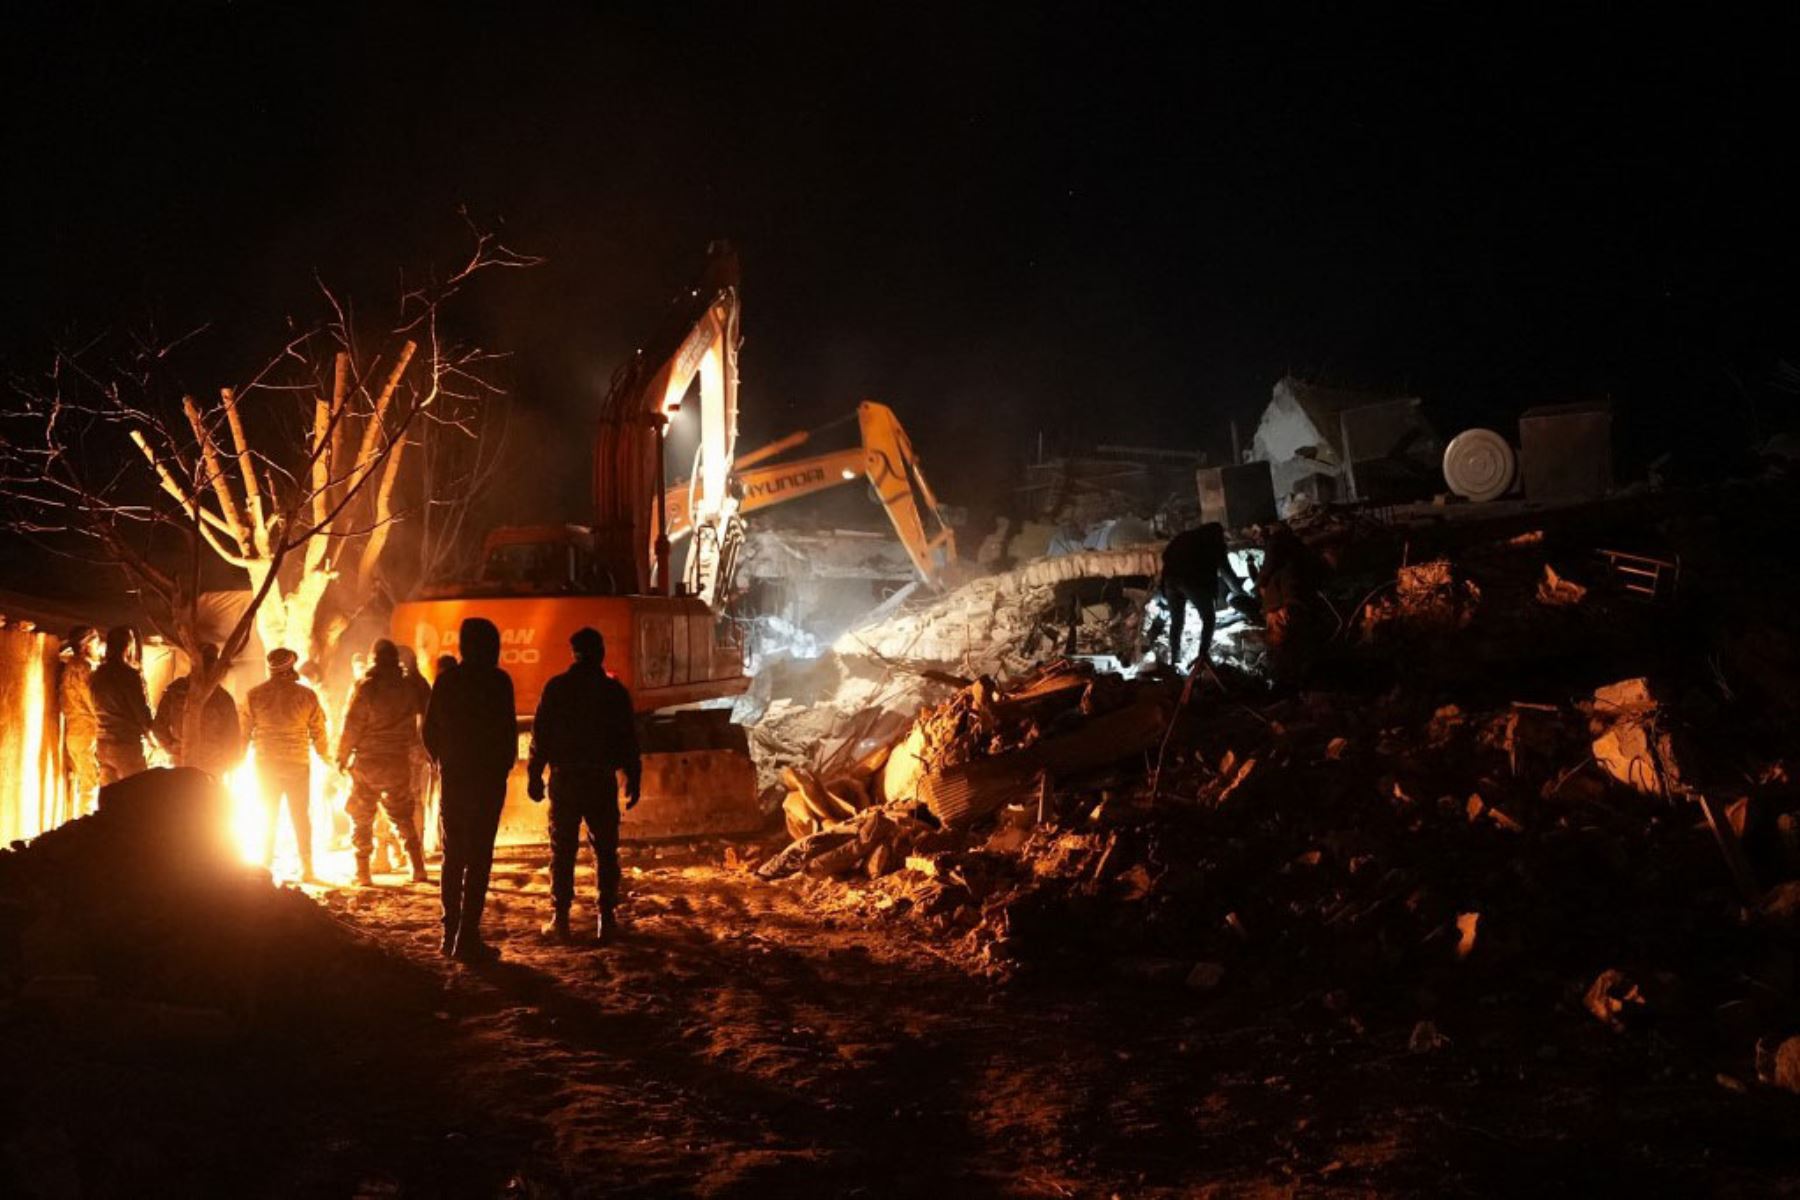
x,y
470,725
285,716
383,721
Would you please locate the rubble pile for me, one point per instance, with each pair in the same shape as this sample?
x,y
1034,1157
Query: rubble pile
x,y
960,760
997,625
140,923
1504,789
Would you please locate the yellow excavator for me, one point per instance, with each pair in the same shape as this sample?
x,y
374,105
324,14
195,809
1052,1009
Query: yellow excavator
x,y
885,458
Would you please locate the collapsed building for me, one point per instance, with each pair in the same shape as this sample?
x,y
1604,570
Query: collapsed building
x,y
1545,756
1326,444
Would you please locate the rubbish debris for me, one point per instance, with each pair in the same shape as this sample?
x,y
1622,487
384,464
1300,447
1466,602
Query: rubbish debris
x,y
1487,788
1555,590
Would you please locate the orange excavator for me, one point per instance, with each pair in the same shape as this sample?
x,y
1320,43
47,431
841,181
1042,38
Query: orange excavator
x,y
885,458
665,641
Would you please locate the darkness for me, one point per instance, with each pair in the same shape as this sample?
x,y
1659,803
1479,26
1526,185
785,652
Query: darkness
x,y
1058,219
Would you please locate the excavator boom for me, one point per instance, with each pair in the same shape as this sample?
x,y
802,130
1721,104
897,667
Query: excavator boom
x,y
885,458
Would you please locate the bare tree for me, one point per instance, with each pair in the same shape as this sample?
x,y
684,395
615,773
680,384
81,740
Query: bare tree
x,y
291,477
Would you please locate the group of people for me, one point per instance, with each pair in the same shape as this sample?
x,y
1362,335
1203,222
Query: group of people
x,y
1196,562
583,738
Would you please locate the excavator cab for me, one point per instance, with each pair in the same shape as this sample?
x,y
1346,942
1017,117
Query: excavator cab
x,y
543,560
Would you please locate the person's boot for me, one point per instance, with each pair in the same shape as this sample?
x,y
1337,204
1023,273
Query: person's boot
x,y
557,928
363,878
415,853
470,948
608,931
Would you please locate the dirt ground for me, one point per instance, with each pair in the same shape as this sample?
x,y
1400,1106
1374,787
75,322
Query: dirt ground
x,y
738,1043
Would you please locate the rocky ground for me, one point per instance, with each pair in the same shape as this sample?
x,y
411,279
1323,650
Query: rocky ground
x,y
1500,893
738,1042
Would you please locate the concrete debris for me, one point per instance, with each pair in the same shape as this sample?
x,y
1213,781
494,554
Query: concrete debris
x,y
1426,1038
1206,976
1630,743
1612,996
1428,598
1778,1063
1482,792
1555,590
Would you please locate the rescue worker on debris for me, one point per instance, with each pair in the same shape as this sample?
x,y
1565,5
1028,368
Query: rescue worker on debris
x,y
1192,563
586,733
380,731
221,746
121,708
285,720
471,730
81,727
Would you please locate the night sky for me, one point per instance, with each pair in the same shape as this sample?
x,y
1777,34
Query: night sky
x,y
1066,219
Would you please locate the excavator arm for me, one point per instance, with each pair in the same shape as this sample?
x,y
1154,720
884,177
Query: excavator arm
x,y
885,458
699,338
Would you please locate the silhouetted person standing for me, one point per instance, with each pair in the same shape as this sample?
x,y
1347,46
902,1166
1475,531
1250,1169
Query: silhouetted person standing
x,y
286,719
220,746
471,730
586,732
121,708
80,723
381,728
1192,563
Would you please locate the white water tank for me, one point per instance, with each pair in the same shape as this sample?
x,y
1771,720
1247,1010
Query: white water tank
x,y
1480,465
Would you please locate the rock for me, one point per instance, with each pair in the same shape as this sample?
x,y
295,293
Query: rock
x,y
1205,976
1612,996
1150,968
839,860
799,853
1466,924
882,861
1628,697
1558,592
1631,754
1778,1064
1780,906
877,829
1426,1038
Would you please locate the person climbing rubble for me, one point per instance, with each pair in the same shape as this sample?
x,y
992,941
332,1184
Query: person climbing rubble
x,y
471,733
376,749
585,732
121,708
220,746
1192,563
285,718
81,726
